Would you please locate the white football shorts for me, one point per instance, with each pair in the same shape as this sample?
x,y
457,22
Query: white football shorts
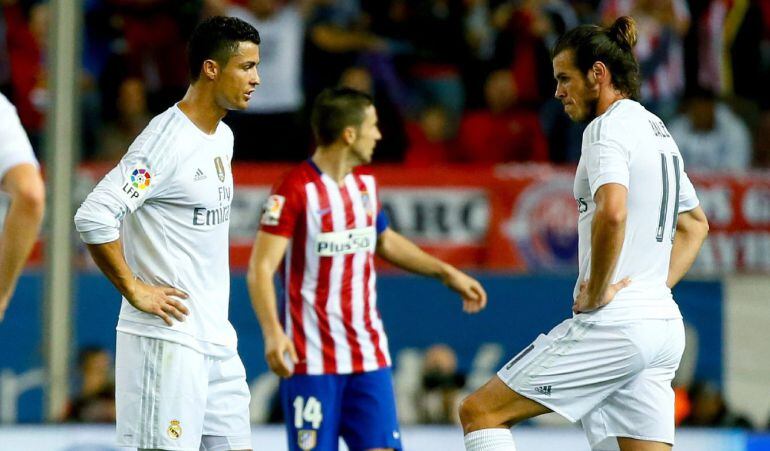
x,y
614,377
169,396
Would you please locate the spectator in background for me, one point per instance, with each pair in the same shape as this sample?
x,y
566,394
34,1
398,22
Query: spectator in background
x,y
480,38
441,387
132,117
5,65
504,132
527,30
392,146
273,114
710,135
27,26
728,36
429,139
762,142
154,31
662,26
337,35
436,30
95,401
709,409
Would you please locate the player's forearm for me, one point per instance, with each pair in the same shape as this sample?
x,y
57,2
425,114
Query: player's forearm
x,y
399,251
690,235
22,225
263,299
109,258
683,254
607,233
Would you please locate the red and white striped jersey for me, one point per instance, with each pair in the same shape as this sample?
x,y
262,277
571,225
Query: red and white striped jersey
x,y
329,304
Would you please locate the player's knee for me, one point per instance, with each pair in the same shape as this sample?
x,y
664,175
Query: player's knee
x,y
471,411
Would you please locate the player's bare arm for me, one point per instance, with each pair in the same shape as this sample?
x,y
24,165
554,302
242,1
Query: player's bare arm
x,y
155,300
692,227
22,225
401,252
266,255
607,232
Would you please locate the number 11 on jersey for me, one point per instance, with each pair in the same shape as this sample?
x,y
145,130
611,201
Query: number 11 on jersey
x,y
664,197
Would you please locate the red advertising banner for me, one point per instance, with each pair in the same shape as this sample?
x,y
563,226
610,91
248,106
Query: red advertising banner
x,y
512,218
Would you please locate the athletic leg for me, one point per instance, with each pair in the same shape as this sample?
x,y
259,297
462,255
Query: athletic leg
x,y
369,420
569,371
311,406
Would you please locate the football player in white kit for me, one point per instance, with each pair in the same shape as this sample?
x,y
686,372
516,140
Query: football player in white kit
x,y
179,382
20,179
640,228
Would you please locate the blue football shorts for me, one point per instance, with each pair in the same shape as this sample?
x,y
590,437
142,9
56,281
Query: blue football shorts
x,y
359,407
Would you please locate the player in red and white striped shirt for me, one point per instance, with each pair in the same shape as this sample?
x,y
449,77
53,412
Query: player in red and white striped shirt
x,y
323,225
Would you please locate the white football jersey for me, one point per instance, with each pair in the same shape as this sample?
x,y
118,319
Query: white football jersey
x,y
630,146
15,148
172,193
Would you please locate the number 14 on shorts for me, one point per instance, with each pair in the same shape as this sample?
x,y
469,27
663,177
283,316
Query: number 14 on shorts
x,y
307,410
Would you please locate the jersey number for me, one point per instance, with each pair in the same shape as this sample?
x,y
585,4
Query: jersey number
x,y
664,197
309,411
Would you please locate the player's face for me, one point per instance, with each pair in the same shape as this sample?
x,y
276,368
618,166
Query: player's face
x,y
239,77
573,89
368,135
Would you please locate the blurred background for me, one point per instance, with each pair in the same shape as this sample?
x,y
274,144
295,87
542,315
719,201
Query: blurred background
x,y
476,165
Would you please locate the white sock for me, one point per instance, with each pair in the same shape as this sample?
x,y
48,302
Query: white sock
x,y
490,440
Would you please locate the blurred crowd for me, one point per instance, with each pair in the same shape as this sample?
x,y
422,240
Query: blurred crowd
x,y
454,81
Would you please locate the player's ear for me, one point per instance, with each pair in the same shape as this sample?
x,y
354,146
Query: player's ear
x,y
598,72
210,69
349,135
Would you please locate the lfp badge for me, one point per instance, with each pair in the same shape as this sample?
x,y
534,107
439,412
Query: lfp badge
x,y
140,178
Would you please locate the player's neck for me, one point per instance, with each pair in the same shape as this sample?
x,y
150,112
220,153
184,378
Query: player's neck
x,y
606,98
332,162
199,105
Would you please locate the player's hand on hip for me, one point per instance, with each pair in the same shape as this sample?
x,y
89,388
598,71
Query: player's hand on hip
x,y
583,303
159,301
470,290
280,354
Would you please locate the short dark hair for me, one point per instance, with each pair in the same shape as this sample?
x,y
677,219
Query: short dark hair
x,y
337,108
613,46
217,38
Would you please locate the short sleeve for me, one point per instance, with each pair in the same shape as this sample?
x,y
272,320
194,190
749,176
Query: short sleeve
x,y
608,158
688,199
382,221
15,148
282,208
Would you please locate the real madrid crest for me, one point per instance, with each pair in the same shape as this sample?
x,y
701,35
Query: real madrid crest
x,y
220,168
306,439
174,429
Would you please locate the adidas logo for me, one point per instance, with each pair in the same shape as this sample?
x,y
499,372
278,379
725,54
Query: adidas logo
x,y
199,175
544,390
